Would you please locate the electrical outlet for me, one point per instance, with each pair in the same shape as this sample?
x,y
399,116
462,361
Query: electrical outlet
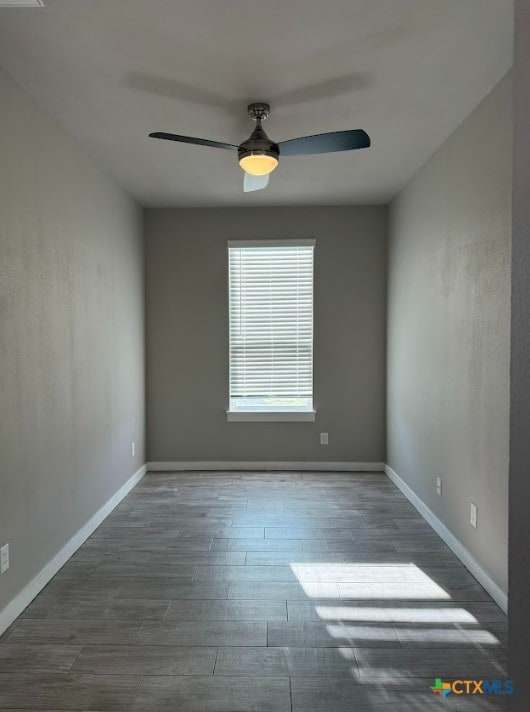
x,y
324,438
4,558
473,516
439,486
133,449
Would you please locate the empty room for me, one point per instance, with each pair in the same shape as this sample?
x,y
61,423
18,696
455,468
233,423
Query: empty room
x,y
264,347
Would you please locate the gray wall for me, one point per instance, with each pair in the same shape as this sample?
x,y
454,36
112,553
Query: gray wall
x,y
187,335
449,330
519,560
71,338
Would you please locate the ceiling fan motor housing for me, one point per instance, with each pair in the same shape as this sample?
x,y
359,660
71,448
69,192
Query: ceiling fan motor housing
x,y
258,144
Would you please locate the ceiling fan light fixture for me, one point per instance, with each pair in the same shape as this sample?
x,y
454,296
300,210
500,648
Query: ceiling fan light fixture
x,y
258,163
258,156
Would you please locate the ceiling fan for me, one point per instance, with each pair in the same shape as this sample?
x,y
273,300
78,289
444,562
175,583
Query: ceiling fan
x,y
259,156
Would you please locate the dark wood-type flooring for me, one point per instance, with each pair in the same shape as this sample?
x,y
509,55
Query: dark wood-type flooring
x,y
256,592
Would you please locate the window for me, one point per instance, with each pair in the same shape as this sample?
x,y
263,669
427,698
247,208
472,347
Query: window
x,y
271,330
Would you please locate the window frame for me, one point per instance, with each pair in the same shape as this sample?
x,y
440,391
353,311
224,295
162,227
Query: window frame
x,y
282,414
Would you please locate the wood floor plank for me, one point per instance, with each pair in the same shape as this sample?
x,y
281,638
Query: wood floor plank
x,y
226,610
348,612
283,590
210,633
112,693
245,573
146,660
285,558
193,590
388,664
37,658
340,694
77,632
285,661
309,545
216,558
213,694
332,635
80,607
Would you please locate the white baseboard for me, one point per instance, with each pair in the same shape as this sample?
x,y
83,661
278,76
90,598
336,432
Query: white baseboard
x,y
302,466
452,542
28,593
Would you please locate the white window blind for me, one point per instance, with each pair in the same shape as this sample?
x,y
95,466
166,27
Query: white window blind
x,y
271,325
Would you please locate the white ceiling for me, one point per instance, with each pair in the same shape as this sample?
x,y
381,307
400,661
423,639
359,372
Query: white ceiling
x,y
406,71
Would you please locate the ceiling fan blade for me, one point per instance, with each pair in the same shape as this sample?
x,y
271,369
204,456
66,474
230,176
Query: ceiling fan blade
x,y
325,143
191,139
252,183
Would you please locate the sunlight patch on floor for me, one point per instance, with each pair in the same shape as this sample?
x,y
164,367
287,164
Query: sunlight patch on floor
x,y
466,636
395,615
357,581
362,633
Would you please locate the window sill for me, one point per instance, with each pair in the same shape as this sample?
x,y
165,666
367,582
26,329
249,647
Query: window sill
x,y
267,416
